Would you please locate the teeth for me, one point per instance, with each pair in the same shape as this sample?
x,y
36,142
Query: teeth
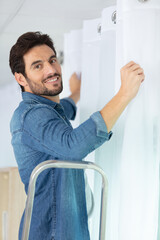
x,y
52,80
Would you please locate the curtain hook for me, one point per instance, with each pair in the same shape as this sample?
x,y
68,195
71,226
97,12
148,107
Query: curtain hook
x,y
113,17
60,57
99,28
142,1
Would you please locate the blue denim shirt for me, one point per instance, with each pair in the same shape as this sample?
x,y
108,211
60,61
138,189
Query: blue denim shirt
x,y
41,131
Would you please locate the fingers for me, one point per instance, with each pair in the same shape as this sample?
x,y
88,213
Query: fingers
x,y
137,69
130,64
132,75
139,74
134,67
141,77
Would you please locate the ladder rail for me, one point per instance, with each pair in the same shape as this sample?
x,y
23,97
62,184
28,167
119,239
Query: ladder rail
x,y
68,165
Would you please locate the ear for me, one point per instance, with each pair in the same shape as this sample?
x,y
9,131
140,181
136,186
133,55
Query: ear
x,y
20,79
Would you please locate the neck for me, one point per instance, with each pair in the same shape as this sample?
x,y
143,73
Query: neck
x,y
52,98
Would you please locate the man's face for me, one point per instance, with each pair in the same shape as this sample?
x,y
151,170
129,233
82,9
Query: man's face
x,y
43,72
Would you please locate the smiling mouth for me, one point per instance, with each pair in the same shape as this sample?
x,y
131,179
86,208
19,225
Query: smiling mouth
x,y
52,80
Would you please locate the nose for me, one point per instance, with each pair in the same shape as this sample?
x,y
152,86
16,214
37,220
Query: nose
x,y
49,69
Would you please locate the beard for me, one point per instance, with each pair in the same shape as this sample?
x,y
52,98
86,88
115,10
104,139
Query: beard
x,y
41,89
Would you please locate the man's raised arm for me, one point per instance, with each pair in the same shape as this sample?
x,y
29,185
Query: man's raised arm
x,y
132,76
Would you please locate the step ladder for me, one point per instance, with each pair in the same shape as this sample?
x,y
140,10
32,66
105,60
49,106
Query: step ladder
x,y
64,164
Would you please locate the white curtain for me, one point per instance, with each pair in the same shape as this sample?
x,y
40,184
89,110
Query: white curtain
x,y
72,55
131,158
105,155
90,90
138,39
90,68
72,63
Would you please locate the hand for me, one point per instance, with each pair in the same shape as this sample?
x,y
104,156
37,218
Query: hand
x,y
75,86
132,76
75,83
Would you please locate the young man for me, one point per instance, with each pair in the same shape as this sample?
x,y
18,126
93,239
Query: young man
x,y
41,131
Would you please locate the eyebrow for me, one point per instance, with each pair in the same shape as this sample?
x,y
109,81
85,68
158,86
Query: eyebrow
x,y
40,61
53,56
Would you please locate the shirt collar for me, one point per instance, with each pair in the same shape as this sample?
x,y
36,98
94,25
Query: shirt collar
x,y
27,96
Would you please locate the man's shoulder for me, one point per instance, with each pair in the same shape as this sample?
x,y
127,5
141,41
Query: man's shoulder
x,y
30,111
26,107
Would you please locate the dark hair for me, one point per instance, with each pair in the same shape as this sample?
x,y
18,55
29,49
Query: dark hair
x,y
24,43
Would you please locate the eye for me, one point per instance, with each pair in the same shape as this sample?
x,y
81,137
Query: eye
x,y
38,66
53,60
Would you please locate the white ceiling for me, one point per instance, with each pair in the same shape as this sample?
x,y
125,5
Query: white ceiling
x,y
48,16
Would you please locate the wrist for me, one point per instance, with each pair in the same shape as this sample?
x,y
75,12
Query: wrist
x,y
123,96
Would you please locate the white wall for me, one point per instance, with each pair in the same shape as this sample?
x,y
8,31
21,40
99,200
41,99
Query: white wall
x,y
9,98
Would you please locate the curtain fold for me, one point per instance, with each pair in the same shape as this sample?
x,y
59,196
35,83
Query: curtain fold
x,y
89,97
72,63
104,156
139,24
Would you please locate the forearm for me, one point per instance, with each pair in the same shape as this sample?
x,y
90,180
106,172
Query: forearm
x,y
75,96
112,110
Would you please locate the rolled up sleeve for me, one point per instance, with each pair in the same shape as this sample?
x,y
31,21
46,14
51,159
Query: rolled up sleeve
x,y
101,127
